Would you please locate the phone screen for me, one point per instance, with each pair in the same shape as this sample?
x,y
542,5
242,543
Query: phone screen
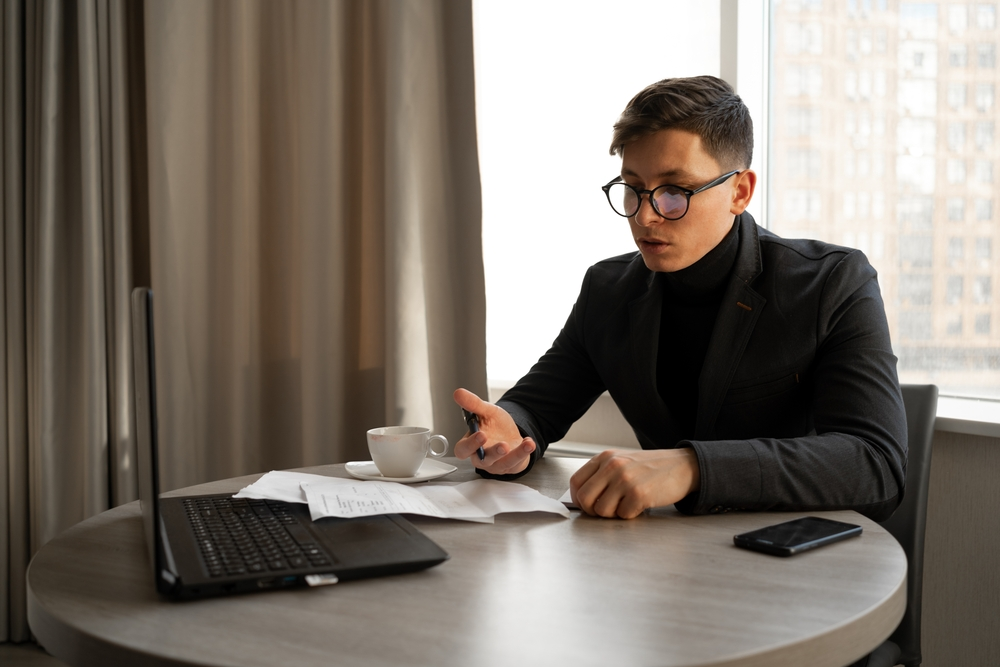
x,y
791,537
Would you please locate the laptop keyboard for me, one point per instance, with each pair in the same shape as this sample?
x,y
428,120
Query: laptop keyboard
x,y
244,536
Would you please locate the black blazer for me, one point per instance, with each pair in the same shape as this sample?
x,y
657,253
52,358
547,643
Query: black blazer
x,y
799,403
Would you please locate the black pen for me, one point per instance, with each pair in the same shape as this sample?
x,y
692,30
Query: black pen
x,y
473,421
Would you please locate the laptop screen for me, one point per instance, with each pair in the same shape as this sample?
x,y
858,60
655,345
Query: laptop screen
x,y
145,418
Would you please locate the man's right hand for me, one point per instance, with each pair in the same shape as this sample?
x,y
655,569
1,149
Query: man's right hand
x,y
506,451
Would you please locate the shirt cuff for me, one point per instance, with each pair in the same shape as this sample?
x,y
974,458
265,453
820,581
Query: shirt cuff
x,y
511,476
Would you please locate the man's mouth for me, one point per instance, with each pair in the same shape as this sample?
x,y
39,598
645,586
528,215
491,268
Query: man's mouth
x,y
651,244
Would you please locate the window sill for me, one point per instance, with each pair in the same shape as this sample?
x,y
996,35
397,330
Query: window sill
x,y
972,416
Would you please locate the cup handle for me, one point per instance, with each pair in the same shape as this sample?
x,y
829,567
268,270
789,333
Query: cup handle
x,y
430,446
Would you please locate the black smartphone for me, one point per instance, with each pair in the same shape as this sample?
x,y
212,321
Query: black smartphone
x,y
792,537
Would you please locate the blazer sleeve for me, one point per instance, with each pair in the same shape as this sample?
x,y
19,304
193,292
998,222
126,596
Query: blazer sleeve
x,y
856,458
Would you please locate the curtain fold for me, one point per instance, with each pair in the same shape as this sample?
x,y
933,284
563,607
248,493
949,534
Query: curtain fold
x,y
67,451
299,184
315,226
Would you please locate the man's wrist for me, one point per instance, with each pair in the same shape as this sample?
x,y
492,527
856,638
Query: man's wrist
x,y
694,469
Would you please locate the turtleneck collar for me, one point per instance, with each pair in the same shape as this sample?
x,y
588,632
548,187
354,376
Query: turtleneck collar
x,y
705,279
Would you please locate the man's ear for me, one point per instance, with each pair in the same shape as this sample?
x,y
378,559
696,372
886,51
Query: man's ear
x,y
746,181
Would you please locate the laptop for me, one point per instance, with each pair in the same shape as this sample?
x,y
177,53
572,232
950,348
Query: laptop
x,y
201,546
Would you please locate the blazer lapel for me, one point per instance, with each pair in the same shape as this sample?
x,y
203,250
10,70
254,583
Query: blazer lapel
x,y
738,313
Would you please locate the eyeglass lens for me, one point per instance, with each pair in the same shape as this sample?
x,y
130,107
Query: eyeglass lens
x,y
668,202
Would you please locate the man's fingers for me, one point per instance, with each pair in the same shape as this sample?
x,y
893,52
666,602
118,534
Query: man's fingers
x,y
469,401
607,504
468,445
502,458
589,493
514,460
583,473
587,484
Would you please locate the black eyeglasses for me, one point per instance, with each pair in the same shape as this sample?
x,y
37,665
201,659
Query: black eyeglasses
x,y
669,201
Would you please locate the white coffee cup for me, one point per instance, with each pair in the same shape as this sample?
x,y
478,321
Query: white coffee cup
x,y
398,451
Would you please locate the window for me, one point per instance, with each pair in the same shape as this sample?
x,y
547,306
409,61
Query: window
x,y
804,38
984,97
956,96
984,210
916,213
880,91
986,55
532,58
956,249
915,326
937,141
878,209
984,248
802,205
986,16
984,171
956,209
803,163
956,171
916,250
881,40
804,122
864,204
956,136
865,45
958,19
803,81
915,68
865,84
958,55
953,295
864,164
984,135
981,290
850,205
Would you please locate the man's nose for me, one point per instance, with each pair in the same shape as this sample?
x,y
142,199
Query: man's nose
x,y
646,215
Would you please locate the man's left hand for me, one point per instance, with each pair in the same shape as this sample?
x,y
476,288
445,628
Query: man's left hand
x,y
623,483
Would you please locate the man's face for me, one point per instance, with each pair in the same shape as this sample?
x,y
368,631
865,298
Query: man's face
x,y
676,157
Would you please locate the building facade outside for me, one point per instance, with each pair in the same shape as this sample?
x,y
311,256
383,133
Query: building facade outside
x,y
884,138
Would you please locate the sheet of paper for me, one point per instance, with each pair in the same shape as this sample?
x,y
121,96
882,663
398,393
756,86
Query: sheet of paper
x,y
351,498
478,500
279,485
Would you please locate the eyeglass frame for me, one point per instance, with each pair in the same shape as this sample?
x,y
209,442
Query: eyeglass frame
x,y
652,201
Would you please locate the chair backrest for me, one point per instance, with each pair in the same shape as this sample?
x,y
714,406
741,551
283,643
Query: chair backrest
x,y
908,523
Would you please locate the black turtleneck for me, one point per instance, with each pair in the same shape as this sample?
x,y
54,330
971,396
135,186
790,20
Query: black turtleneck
x,y
691,299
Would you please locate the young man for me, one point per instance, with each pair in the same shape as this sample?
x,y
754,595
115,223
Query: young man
x,y
756,371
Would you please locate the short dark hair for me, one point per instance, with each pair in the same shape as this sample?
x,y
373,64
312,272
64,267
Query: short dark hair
x,y
704,105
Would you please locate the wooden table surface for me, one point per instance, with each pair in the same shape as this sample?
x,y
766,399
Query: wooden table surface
x,y
531,589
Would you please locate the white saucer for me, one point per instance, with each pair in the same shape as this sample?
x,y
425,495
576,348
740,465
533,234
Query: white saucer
x,y
429,469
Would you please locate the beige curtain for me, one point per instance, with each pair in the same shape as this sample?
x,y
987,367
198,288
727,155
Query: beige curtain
x,y
297,181
66,448
315,227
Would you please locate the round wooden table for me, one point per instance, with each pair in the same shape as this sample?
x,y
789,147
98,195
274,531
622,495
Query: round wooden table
x,y
531,589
